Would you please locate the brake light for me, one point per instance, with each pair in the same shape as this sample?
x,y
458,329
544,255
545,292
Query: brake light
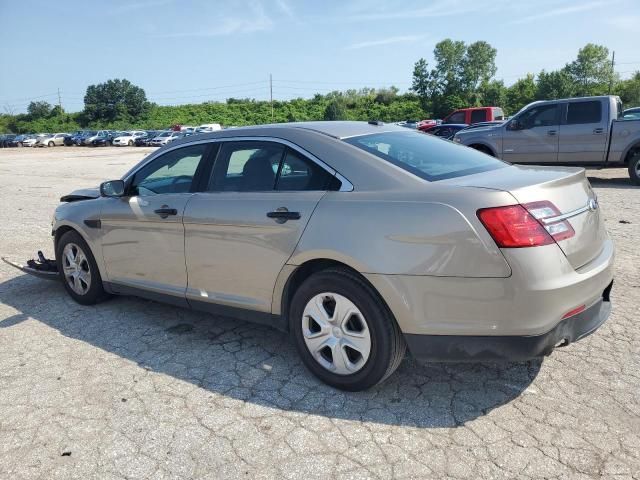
x,y
517,226
514,227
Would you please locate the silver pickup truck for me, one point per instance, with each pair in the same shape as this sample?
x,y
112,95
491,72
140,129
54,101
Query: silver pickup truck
x,y
588,132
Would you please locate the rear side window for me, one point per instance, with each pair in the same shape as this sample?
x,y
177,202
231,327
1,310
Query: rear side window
x,y
425,156
584,112
298,173
457,117
478,116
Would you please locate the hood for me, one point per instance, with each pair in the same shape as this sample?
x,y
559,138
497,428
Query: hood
x,y
481,130
82,194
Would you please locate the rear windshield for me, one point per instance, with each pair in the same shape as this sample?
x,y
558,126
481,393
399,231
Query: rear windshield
x,y
426,156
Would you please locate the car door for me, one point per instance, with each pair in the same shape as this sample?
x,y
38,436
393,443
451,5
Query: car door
x,y
143,235
532,136
583,132
242,230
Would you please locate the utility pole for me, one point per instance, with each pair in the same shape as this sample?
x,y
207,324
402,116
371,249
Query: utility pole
x,y
271,94
613,64
59,100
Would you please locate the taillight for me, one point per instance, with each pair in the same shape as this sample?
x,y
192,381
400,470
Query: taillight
x,y
544,211
517,226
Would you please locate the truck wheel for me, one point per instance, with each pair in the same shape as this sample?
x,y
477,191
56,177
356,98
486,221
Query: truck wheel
x,y
345,334
634,168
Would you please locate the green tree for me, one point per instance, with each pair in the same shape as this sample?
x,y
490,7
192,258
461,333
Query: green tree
x,y
591,71
492,93
629,90
335,110
421,83
521,93
39,109
478,67
555,84
115,100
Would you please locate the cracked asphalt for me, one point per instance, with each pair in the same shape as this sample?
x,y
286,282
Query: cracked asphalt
x,y
136,389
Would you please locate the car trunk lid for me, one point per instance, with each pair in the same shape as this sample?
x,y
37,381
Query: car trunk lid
x,y
567,188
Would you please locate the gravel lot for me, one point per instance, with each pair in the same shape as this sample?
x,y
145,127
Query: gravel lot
x,y
136,389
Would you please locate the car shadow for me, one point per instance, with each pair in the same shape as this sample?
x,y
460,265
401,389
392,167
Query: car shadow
x,y
605,182
259,365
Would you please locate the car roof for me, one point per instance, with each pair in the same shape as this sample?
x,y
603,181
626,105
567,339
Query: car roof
x,y
335,129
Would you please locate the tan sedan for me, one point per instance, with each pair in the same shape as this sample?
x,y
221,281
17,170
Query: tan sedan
x,y
359,239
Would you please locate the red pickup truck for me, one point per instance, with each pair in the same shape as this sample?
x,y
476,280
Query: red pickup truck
x,y
474,115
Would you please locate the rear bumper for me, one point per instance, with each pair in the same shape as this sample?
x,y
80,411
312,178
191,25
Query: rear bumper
x,y
513,348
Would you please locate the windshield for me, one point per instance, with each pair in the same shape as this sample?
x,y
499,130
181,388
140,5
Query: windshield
x,y
427,157
165,134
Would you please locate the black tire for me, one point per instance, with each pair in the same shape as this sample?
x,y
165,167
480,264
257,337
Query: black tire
x,y
387,343
634,168
95,293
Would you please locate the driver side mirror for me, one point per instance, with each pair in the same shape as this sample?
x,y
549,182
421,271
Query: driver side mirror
x,y
515,125
112,188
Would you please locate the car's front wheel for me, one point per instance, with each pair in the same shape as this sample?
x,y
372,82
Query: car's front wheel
x,y
344,332
78,269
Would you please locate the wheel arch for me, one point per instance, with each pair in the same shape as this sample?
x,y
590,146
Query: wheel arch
x,y
630,151
292,276
483,147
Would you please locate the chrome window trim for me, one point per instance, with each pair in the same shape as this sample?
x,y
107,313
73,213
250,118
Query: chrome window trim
x,y
346,185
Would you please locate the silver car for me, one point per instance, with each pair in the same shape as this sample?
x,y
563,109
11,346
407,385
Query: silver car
x,y
359,239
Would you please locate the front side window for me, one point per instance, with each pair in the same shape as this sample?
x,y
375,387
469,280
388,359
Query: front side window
x,y
457,117
540,116
584,112
172,172
424,156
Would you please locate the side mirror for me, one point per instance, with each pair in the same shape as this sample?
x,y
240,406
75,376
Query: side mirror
x,y
515,125
112,188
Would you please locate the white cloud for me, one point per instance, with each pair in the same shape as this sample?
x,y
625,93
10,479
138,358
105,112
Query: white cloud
x,y
385,41
255,20
556,12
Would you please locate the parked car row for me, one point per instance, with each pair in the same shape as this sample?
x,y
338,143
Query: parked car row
x,y
105,138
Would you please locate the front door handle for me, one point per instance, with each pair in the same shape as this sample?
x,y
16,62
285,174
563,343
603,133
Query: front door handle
x,y
165,211
282,214
597,131
551,132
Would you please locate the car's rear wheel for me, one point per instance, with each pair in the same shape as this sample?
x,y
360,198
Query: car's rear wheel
x,y
344,332
78,269
51,144
634,168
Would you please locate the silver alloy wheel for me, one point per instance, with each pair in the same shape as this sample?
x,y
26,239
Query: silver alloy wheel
x,y
336,333
75,267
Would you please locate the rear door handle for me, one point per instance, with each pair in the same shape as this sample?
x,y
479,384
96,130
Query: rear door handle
x,y
281,215
597,131
551,132
165,211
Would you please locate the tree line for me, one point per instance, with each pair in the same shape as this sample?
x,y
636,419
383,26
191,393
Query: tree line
x,y
462,76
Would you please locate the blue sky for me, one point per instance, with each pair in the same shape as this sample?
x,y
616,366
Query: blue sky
x,y
190,51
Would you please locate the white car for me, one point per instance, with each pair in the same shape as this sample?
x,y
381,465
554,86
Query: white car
x,y
209,127
128,139
51,140
31,141
165,137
